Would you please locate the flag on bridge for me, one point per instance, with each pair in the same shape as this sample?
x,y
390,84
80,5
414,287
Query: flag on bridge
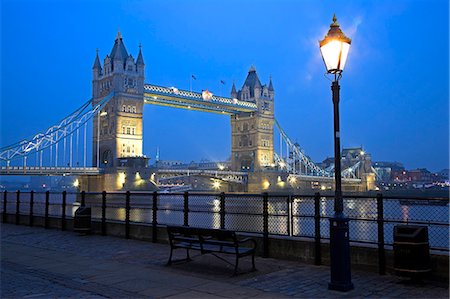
x,y
193,77
221,81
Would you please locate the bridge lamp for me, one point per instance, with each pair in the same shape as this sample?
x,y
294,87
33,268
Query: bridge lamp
x,y
216,184
207,95
334,49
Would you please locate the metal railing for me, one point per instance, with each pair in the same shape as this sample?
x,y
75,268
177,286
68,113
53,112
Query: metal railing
x,y
372,218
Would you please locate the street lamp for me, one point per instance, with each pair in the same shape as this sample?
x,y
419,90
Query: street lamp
x,y
104,113
334,49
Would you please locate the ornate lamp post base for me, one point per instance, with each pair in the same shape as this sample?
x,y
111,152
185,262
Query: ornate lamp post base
x,y
340,254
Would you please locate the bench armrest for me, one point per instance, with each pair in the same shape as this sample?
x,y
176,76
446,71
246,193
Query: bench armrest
x,y
247,240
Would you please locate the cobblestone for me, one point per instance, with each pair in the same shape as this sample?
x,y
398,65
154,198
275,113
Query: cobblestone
x,y
39,263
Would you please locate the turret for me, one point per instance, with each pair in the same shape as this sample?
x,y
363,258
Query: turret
x,y
96,68
140,62
271,90
233,93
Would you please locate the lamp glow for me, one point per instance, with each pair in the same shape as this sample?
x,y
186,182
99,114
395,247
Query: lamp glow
x,y
334,48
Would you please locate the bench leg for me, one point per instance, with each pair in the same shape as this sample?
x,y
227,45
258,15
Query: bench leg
x,y
169,262
188,258
236,266
253,262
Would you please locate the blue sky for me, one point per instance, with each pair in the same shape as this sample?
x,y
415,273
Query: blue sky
x,y
394,91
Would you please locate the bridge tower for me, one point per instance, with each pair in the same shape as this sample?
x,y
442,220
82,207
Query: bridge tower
x,y
117,129
252,133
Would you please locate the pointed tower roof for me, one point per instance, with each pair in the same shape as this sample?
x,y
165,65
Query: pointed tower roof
x,y
118,51
97,64
140,59
270,84
252,80
233,89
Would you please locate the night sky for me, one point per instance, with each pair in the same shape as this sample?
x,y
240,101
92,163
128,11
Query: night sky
x,y
394,90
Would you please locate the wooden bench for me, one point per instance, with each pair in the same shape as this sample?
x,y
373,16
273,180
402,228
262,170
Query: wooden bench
x,y
210,241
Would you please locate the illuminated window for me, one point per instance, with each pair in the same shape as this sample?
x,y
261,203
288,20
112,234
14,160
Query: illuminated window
x,y
128,130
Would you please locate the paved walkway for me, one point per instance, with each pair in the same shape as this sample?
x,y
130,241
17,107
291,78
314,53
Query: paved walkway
x,y
39,263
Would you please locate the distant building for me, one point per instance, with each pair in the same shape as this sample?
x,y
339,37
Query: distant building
x,y
420,175
384,170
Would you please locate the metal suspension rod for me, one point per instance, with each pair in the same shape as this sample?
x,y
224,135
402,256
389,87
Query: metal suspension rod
x,y
56,151
64,152
84,146
70,152
281,146
76,146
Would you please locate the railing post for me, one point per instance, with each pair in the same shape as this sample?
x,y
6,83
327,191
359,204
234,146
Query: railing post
x,y
222,210
127,215
5,195
31,207
317,246
155,217
83,198
47,202
380,222
63,212
18,207
104,213
288,223
186,209
265,224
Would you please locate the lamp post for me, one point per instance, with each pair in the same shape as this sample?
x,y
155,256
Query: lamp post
x,y
104,113
334,49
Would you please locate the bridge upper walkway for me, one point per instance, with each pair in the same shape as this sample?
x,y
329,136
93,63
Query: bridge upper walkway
x,y
178,98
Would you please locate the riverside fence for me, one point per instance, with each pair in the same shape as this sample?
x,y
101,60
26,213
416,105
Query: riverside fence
x,y
372,218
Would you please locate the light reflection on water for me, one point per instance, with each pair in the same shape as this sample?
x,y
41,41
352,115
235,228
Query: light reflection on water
x,y
206,213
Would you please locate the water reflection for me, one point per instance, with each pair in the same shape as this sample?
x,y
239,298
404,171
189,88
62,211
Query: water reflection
x,y
245,214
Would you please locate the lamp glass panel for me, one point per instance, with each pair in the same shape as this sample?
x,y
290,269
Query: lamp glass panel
x,y
330,53
344,54
334,52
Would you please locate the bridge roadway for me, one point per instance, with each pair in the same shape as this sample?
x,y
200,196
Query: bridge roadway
x,y
92,171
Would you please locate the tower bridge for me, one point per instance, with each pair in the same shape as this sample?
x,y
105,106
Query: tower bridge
x,y
116,113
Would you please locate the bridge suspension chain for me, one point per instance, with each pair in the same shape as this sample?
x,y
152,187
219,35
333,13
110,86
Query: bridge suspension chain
x,y
54,135
299,163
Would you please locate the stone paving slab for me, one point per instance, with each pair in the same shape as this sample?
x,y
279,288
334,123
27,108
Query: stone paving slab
x,y
39,263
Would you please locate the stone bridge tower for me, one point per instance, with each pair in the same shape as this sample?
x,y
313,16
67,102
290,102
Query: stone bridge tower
x,y
252,133
121,119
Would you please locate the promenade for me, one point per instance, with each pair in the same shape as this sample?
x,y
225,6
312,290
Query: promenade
x,y
39,263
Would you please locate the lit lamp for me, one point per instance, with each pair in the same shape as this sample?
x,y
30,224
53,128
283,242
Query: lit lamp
x,y
334,49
